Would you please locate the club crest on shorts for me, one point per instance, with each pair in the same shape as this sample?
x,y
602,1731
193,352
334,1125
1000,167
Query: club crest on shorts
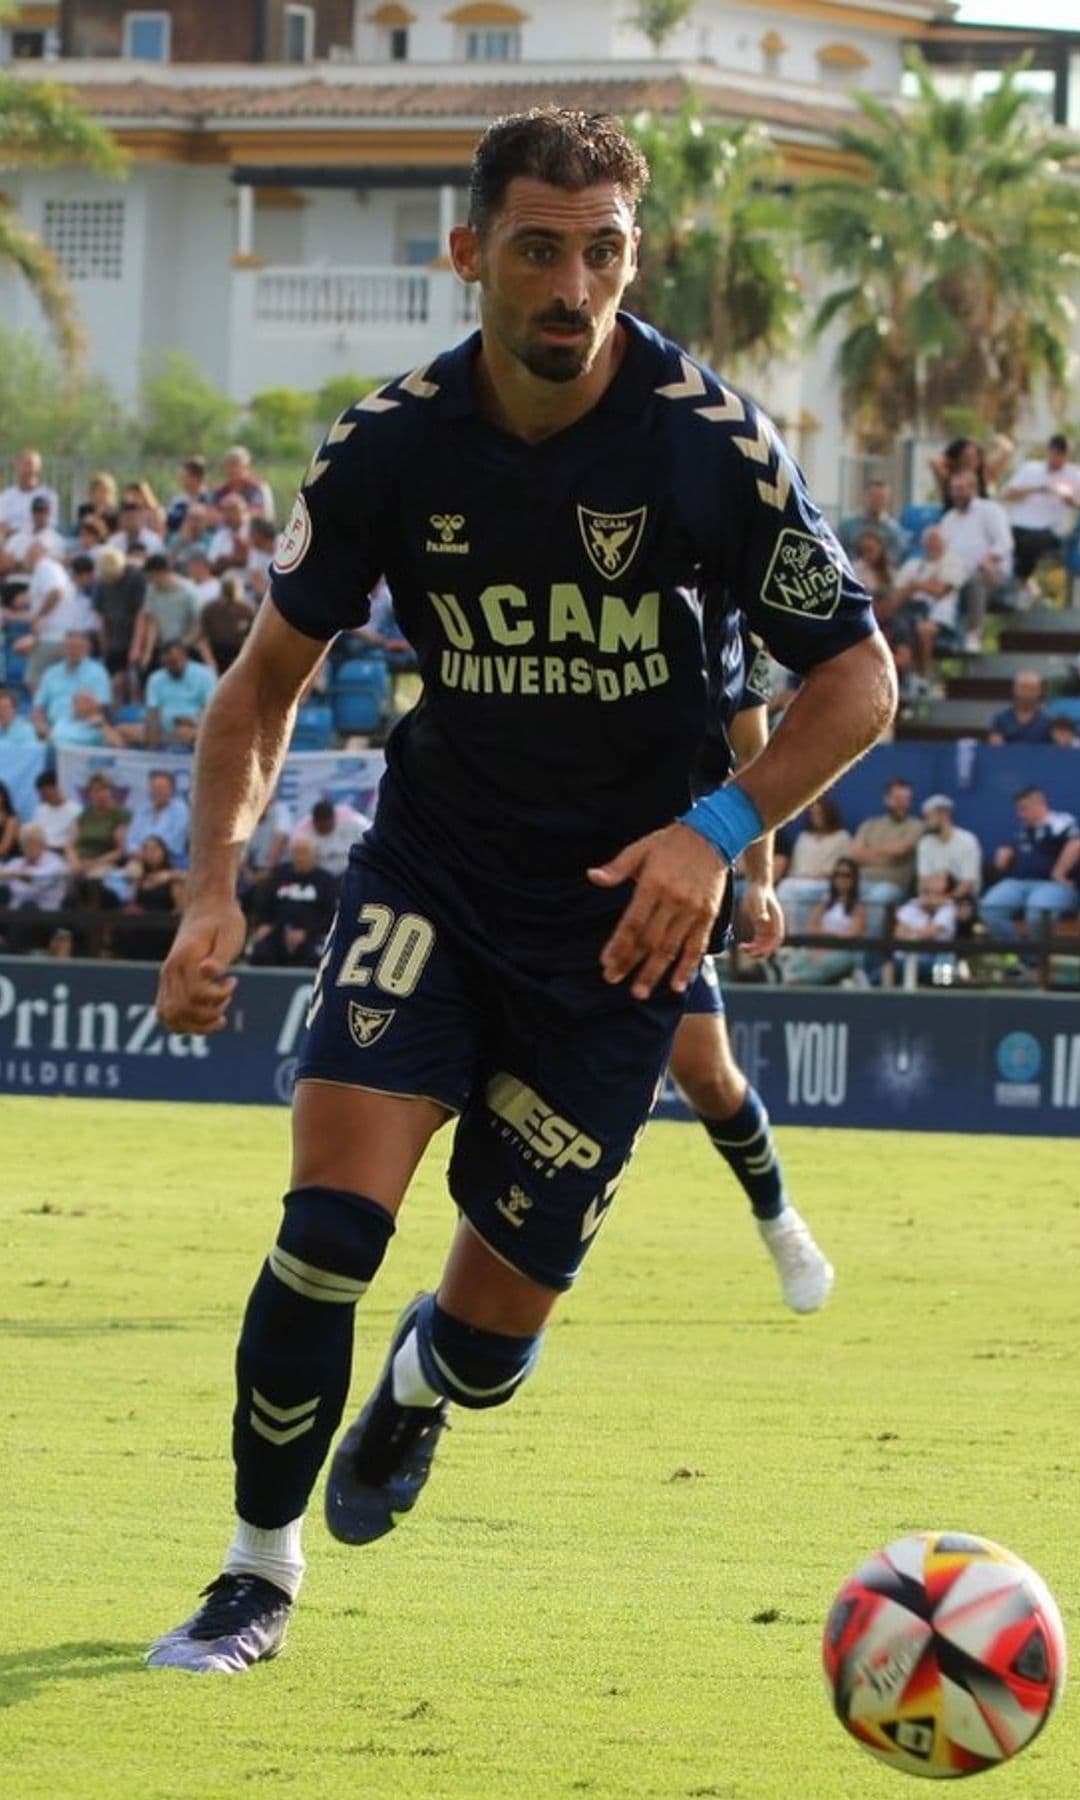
x,y
611,539
803,576
295,541
367,1023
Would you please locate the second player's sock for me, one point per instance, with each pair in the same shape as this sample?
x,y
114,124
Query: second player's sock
x,y
746,1143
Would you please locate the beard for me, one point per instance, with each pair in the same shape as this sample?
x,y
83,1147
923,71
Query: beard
x,y
556,362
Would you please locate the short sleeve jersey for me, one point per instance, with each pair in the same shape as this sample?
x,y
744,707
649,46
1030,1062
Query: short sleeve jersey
x,y
559,596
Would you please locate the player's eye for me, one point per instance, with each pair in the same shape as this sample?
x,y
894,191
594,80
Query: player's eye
x,y
541,255
602,256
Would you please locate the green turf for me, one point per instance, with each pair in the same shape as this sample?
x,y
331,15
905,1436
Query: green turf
x,y
616,1586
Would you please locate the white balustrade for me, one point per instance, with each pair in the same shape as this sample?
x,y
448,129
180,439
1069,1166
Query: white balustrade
x,y
314,299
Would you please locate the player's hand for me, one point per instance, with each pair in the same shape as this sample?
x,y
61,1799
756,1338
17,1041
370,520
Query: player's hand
x,y
762,918
679,882
195,987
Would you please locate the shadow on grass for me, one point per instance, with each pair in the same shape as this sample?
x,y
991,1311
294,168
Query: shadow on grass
x,y
23,1672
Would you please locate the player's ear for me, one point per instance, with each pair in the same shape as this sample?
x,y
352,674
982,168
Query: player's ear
x,y
465,252
635,251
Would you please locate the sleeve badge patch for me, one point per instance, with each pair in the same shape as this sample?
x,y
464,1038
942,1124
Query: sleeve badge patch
x,y
295,540
802,576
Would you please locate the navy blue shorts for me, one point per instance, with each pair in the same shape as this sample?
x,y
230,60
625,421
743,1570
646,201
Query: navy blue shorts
x,y
551,1097
705,994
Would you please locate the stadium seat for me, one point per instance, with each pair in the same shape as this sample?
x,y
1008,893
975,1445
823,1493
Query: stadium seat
x,y
916,516
314,729
1067,708
129,714
361,694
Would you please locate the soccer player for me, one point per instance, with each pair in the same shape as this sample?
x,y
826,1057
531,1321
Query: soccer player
x,y
702,1062
559,506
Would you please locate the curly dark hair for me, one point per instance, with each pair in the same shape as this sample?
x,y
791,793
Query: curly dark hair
x,y
567,149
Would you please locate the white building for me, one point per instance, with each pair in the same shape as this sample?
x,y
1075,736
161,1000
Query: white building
x,y
284,224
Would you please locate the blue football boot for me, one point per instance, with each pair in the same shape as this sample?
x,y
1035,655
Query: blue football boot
x,y
382,1462
243,1620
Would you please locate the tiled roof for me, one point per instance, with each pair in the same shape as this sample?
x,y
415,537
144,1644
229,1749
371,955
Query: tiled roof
x,y
357,102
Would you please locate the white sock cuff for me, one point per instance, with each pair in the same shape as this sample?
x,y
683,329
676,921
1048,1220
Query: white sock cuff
x,y
409,1384
275,1554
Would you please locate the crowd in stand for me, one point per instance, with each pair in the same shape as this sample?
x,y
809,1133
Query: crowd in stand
x,y
119,621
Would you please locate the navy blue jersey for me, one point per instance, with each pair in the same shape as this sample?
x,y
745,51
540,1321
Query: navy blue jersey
x,y
559,596
739,680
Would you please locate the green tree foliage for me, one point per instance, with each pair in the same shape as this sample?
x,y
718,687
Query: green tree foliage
x,y
657,19
278,423
40,406
183,412
713,271
41,128
956,249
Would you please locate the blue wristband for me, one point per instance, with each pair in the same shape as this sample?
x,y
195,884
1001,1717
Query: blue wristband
x,y
727,819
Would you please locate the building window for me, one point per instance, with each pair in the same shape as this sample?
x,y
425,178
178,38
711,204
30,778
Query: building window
x,y
299,34
86,237
28,46
397,43
147,36
500,45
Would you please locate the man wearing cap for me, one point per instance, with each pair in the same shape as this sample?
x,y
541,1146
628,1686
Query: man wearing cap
x,y
40,530
947,849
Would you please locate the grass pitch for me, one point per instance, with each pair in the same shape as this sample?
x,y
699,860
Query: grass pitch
x,y
616,1586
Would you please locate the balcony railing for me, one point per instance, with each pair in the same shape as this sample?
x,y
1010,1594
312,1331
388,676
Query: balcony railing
x,y
339,299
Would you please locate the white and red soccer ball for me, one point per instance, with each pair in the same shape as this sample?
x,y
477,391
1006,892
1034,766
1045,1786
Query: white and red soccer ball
x,y
944,1654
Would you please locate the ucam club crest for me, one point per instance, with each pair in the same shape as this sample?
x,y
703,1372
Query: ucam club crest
x,y
611,539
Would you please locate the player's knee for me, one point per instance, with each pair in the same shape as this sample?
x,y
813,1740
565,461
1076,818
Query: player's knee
x,y
717,1092
474,1368
330,1244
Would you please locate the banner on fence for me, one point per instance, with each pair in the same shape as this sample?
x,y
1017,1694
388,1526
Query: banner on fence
x,y
920,1062
307,775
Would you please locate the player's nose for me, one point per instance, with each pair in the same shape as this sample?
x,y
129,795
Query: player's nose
x,y
571,288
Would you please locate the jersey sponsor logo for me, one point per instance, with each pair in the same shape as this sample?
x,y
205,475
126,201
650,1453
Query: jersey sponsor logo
x,y
295,541
803,576
446,541
540,1133
505,619
611,539
367,1023
513,1208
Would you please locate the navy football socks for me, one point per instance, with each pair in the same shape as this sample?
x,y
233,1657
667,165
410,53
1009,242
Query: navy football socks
x,y
745,1141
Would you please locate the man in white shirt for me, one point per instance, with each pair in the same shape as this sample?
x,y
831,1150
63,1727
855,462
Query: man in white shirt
x,y
136,538
39,876
16,500
334,830
947,849
927,588
53,813
230,546
1043,500
53,610
977,532
39,531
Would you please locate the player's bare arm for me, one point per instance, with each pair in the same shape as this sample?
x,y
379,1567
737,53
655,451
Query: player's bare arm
x,y
242,743
841,709
761,916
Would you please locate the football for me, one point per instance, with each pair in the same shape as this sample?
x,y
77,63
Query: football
x,y
944,1654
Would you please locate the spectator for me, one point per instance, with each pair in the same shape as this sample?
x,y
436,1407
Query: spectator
x,y
1043,502
102,502
294,911
72,697
90,536
194,533
158,891
945,848
41,530
225,623
884,848
241,480
1036,869
169,613
162,814
874,569
51,611
176,697
55,814
192,492
967,455
120,594
9,825
61,943
840,914
875,516
16,501
15,730
333,830
977,532
84,583
263,539
927,592
135,535
98,843
1026,721
1062,732
815,853
34,881
264,849
230,546
929,918
196,566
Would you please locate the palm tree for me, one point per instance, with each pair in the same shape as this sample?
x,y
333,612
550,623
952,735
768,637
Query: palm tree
x,y
657,19
957,244
41,128
713,273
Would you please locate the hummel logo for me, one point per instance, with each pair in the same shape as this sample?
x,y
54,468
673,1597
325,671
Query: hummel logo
x,y
445,543
516,1203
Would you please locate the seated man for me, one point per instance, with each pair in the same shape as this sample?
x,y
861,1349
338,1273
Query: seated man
x,y
98,844
927,592
929,918
34,881
1043,503
333,830
15,730
176,697
976,530
162,815
875,516
1037,869
72,697
884,848
945,848
294,910
40,530
1026,720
